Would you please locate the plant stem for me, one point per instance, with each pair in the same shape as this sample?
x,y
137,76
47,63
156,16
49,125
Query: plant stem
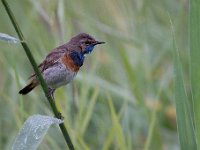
x,y
37,72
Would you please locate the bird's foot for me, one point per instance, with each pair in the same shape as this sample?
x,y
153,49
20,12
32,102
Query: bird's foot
x,y
60,116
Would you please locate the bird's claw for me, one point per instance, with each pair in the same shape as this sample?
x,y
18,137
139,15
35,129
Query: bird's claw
x,y
59,116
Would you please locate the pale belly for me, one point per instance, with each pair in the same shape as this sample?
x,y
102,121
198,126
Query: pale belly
x,y
58,75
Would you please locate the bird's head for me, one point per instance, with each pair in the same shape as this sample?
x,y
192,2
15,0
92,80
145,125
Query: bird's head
x,y
85,42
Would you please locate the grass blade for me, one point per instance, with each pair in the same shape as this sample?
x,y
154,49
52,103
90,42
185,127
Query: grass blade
x,y
89,112
131,75
194,35
116,124
183,111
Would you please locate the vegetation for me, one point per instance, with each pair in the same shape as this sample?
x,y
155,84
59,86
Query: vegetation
x,y
123,97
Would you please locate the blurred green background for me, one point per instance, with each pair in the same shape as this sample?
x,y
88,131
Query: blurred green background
x,y
122,98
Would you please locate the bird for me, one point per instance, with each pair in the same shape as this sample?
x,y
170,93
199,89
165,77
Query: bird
x,y
62,64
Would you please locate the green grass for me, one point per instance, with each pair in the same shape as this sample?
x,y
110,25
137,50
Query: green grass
x,y
135,66
194,36
183,110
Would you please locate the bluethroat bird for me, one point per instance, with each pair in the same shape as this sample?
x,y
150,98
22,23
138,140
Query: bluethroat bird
x,y
62,64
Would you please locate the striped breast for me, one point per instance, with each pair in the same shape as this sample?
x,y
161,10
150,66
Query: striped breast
x,y
69,63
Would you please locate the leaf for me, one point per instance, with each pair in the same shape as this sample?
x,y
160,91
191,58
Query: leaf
x,y
194,37
183,111
8,38
33,131
117,126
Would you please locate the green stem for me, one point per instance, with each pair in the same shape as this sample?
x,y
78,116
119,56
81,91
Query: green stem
x,y
37,72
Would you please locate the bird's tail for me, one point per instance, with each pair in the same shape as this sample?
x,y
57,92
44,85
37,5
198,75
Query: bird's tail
x,y
29,87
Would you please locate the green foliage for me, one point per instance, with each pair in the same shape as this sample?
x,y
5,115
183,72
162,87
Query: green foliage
x,y
194,37
183,110
38,74
138,49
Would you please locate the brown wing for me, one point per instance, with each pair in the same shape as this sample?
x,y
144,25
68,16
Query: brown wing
x,y
50,60
56,53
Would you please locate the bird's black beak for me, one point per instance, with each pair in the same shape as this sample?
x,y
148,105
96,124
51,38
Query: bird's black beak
x,y
98,42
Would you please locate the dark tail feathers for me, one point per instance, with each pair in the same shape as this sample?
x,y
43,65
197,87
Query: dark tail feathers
x,y
28,87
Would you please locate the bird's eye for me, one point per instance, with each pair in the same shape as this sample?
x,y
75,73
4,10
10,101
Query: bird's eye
x,y
87,42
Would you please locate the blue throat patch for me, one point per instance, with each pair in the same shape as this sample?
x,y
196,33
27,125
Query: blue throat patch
x,y
77,57
89,49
